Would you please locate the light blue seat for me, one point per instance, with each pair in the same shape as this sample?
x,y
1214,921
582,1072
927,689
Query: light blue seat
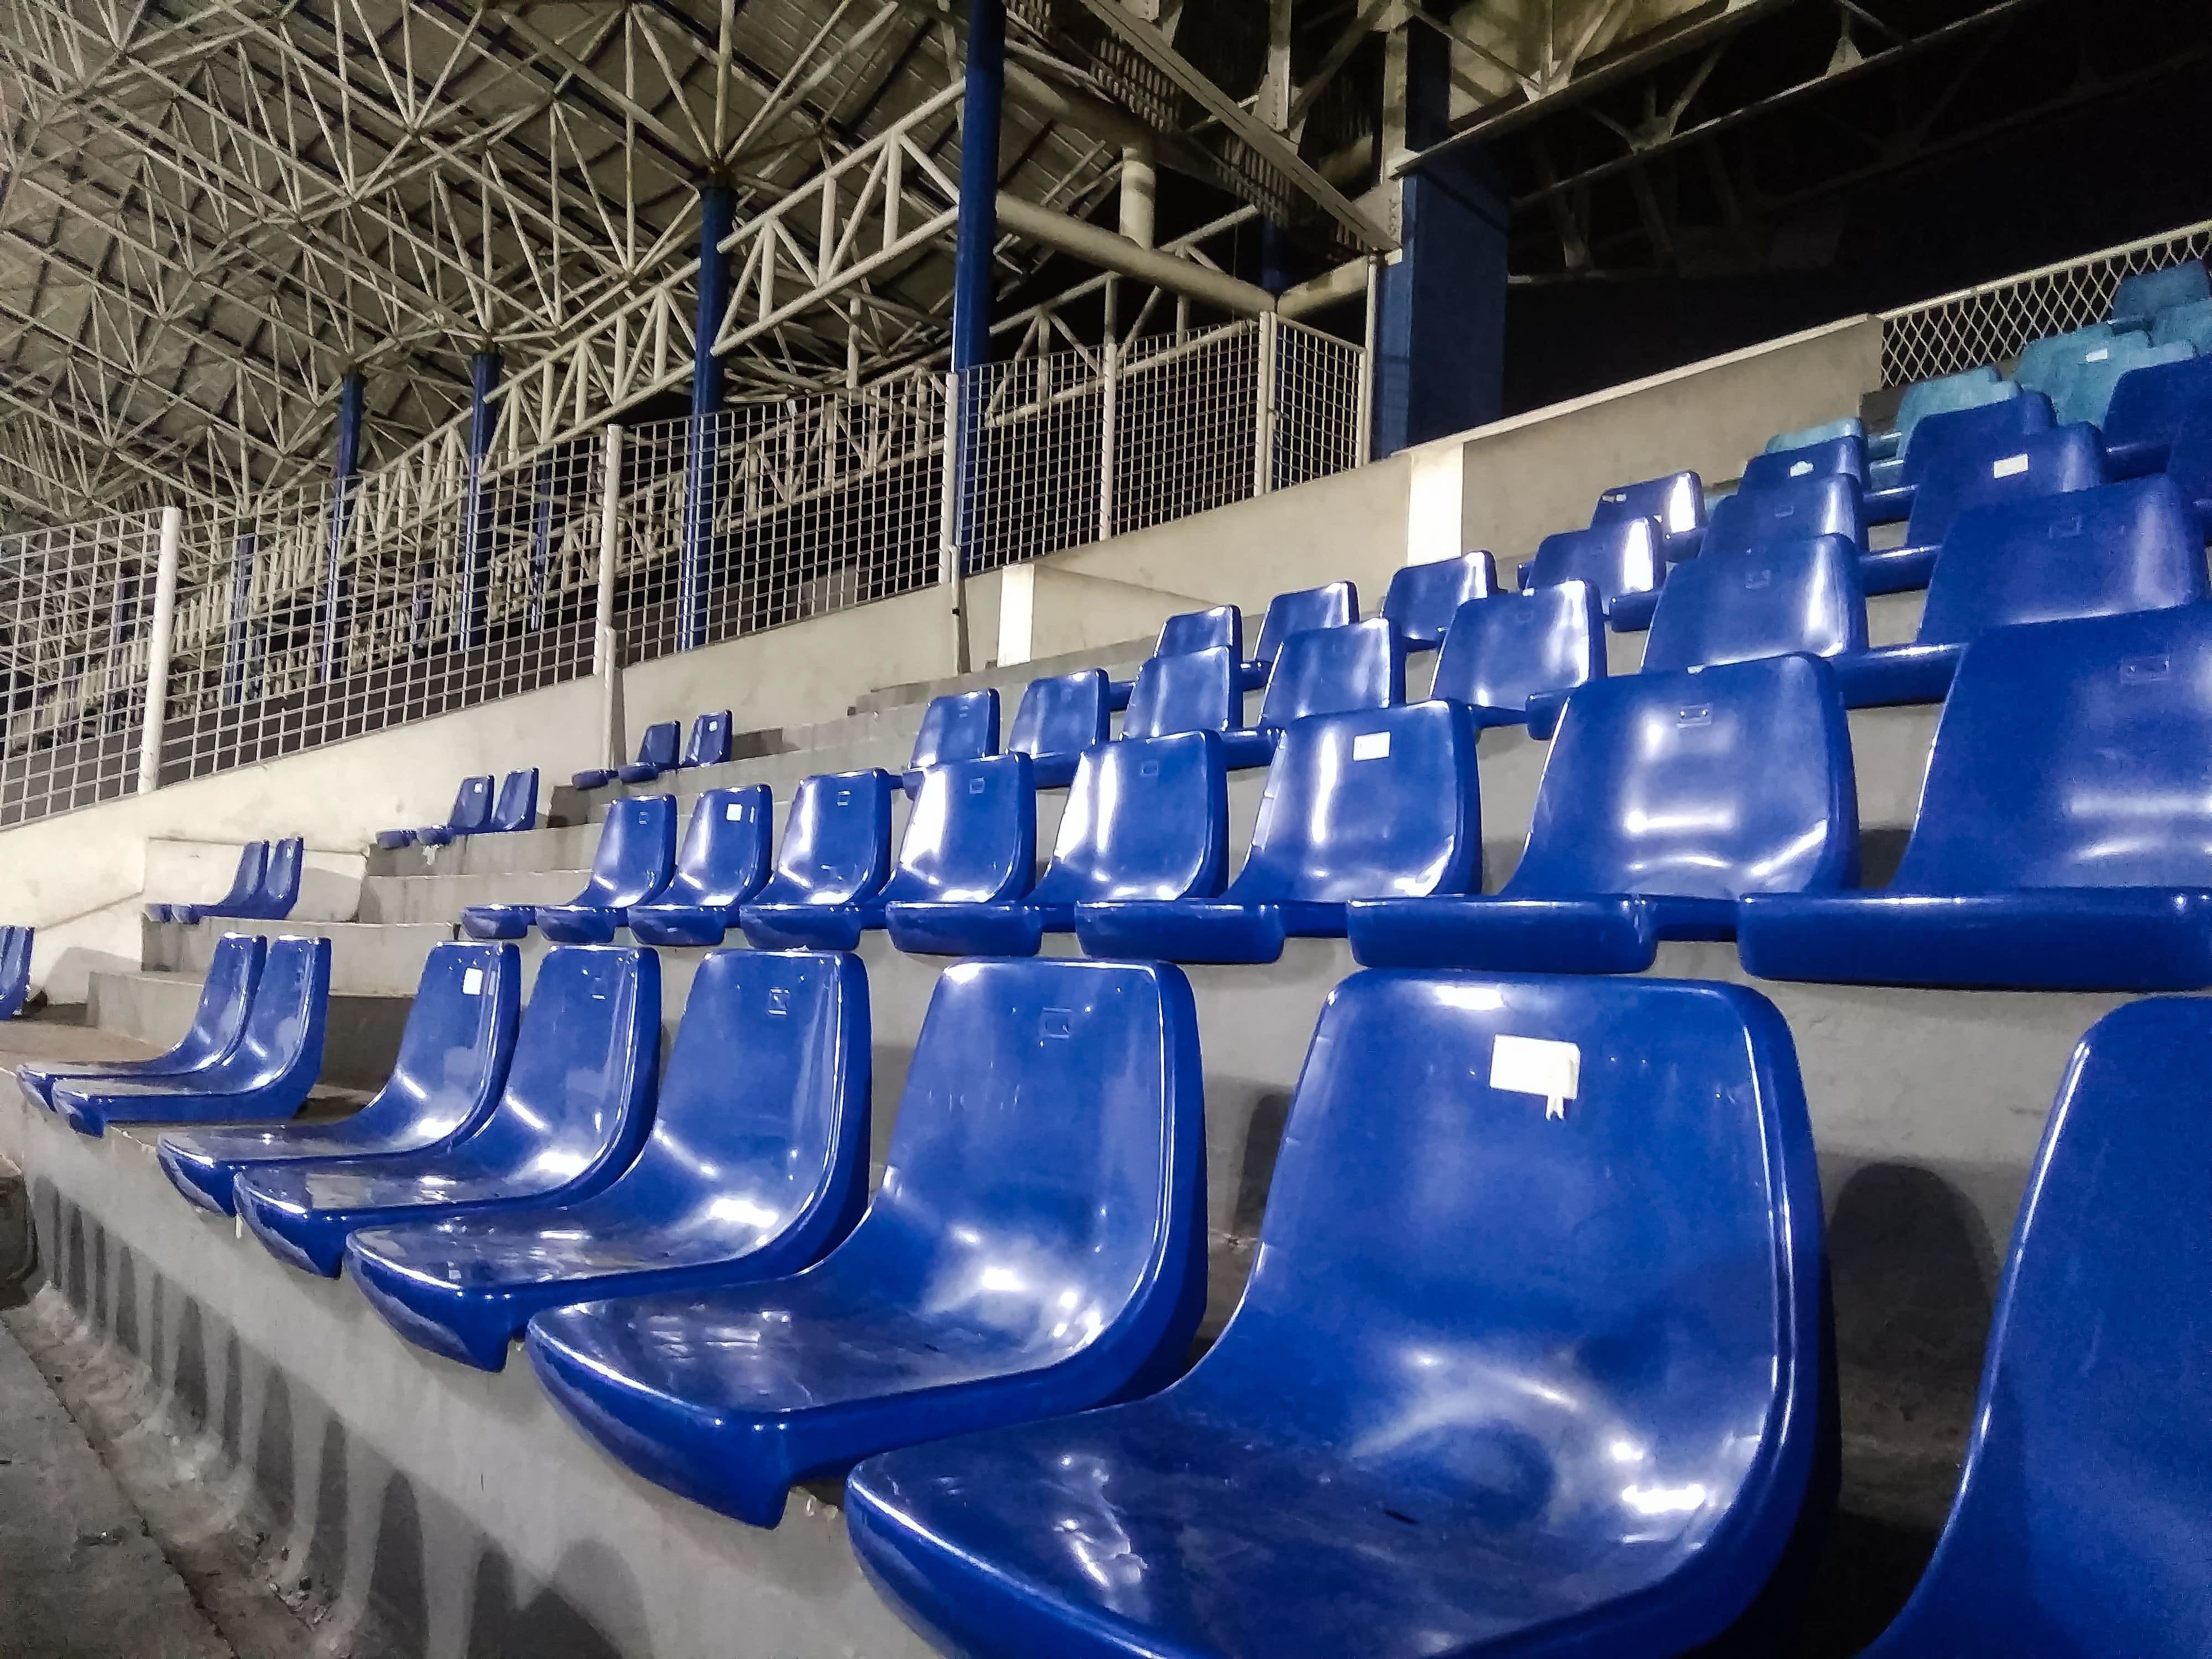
x,y
2086,393
470,813
2043,363
226,993
1986,429
2088,1464
518,803
15,970
1514,1374
1797,510
1675,503
2149,403
2064,839
756,1166
453,1055
1504,655
245,884
267,1074
1665,799
633,860
2140,298
1037,1246
1423,598
1946,393
1325,671
1146,819
1333,605
2130,546
573,1111
1841,457
1844,426
1195,692
1370,805
836,856
1619,559
656,748
2064,458
2190,323
725,861
1059,718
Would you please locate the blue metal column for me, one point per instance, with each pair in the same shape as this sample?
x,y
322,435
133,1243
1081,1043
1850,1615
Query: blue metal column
x,y
345,478
702,442
476,519
981,109
1440,326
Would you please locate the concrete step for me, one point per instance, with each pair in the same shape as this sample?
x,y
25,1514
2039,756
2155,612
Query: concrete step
x,y
1119,660
156,1009
367,958
563,848
406,899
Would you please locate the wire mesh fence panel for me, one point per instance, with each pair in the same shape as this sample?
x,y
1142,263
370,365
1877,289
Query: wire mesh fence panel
x,y
1186,422
1034,483
1317,404
76,612
1991,323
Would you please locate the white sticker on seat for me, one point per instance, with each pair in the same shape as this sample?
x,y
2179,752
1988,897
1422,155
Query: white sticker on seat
x,y
734,812
2099,355
1371,745
1799,469
473,982
2010,466
1537,1065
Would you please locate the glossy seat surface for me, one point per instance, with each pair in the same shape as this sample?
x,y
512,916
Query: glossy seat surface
x,y
723,861
2086,392
518,802
709,742
1423,598
16,944
2042,363
1332,604
2078,1524
1202,630
267,1074
279,889
1795,510
2066,849
1665,799
1620,558
2055,462
1841,456
1675,503
1059,718
1844,426
2142,296
1038,1245
1511,1374
1983,385
1377,804
635,860
960,726
226,993
453,1055
971,839
1980,430
656,752
756,1165
470,813
245,883
572,1113
1332,670
2149,403
1781,597
1500,653
2189,465
2193,323
836,856
1192,692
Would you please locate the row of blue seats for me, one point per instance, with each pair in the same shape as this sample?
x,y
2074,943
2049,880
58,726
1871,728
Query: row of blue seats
x,y
15,970
476,812
709,744
1534,1401
263,887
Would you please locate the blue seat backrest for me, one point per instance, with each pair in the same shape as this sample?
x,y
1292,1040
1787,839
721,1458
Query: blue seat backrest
x,y
1501,652
971,837
245,881
1444,1273
962,725
1193,691
471,805
2151,400
2189,465
289,1007
2074,1529
1381,804
1146,819
2064,458
836,847
636,850
518,800
1794,511
1621,555
1333,605
225,997
2140,297
1062,716
2043,362
1783,596
656,747
1423,598
586,1056
1988,429
727,846
1705,784
2192,323
2086,392
1951,392
2128,546
459,1032
1844,426
280,881
1676,501
710,740
1843,457
2072,754
1201,630
1327,670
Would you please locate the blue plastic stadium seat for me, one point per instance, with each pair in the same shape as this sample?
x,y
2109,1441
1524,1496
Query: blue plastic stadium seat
x,y
2131,546
1986,430
1675,503
656,753
959,727
1373,805
1146,819
1841,457
1196,691
2086,394
709,743
634,859
1333,605
16,944
1515,1372
1844,426
1665,797
518,803
2077,1525
274,896
1794,511
470,812
2189,465
2064,458
2190,323
1037,1246
226,993
245,883
836,855
1423,598
1221,625
1785,597
1504,655
2064,839
1059,719
1618,558
572,1113
267,1074
453,1055
756,1167
2149,403
725,861
2142,297
1949,391
2043,363
1325,671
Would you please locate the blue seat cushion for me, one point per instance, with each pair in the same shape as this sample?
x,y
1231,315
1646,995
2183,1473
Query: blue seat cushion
x,y
975,930
680,924
578,924
1200,929
598,778
809,927
1897,674
391,839
638,772
1600,933
434,834
2049,939
497,920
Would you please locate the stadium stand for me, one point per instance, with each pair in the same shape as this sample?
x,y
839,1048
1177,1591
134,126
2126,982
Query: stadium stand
x,y
15,970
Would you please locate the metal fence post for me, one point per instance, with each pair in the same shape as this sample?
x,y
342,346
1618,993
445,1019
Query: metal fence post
x,y
951,561
606,646
1108,422
157,650
1263,446
1364,438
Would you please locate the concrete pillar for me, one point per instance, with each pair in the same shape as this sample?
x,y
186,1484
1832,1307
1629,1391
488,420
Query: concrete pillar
x,y
697,576
476,505
345,480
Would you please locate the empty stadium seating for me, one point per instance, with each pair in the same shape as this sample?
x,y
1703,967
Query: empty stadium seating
x,y
15,970
2189,465
1844,426
2149,403
2142,295
707,745
1619,559
1037,1246
634,860
1842,455
1332,604
1966,390
1221,625
1986,429
1675,503
2063,458
2045,363
517,807
962,725
1534,1348
2086,392
1058,718
1195,692
470,812
1327,670
2189,323
1781,597
656,753
244,884
1423,598
836,855
1794,510
1502,656
226,995
725,860
572,1113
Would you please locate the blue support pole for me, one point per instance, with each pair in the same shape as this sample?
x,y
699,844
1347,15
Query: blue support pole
x,y
1276,254
981,109
238,679
702,481
475,520
345,479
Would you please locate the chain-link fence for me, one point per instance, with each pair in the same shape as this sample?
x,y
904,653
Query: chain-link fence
x,y
1990,323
